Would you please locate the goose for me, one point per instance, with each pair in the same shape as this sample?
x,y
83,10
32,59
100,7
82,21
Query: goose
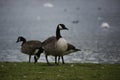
x,y
31,47
71,49
55,45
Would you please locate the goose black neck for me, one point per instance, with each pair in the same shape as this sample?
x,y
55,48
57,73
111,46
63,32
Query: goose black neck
x,y
23,41
58,35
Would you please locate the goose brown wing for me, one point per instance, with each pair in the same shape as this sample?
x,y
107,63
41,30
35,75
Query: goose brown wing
x,y
33,44
70,47
49,40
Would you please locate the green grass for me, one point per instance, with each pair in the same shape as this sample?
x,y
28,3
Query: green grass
x,y
69,71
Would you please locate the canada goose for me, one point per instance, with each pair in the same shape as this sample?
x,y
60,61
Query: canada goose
x,y
69,50
55,45
31,47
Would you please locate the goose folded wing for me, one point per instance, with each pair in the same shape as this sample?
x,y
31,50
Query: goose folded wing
x,y
49,40
71,47
34,44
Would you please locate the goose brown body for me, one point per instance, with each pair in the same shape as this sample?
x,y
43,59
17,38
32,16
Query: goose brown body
x,y
31,47
53,47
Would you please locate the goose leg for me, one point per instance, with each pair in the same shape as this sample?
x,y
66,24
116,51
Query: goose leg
x,y
62,60
58,59
55,59
36,57
46,56
29,58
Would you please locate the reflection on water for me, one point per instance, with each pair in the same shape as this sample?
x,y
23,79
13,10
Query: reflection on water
x,y
34,20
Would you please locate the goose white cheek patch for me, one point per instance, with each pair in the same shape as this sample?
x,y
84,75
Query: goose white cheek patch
x,y
60,27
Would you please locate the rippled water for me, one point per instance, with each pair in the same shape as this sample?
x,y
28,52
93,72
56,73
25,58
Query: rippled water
x,y
37,19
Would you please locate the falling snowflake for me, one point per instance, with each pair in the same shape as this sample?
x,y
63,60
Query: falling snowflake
x,y
105,25
99,18
48,5
38,17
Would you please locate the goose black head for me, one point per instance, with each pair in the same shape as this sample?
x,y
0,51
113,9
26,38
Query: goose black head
x,y
21,39
62,27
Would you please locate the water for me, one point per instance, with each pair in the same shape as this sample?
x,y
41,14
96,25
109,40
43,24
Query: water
x,y
37,19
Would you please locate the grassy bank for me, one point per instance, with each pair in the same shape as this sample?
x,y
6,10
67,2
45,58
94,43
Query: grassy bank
x,y
71,71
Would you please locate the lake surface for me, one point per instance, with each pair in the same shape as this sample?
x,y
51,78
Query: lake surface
x,y
37,20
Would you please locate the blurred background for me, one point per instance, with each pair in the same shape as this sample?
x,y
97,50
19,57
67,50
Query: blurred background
x,y
94,27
